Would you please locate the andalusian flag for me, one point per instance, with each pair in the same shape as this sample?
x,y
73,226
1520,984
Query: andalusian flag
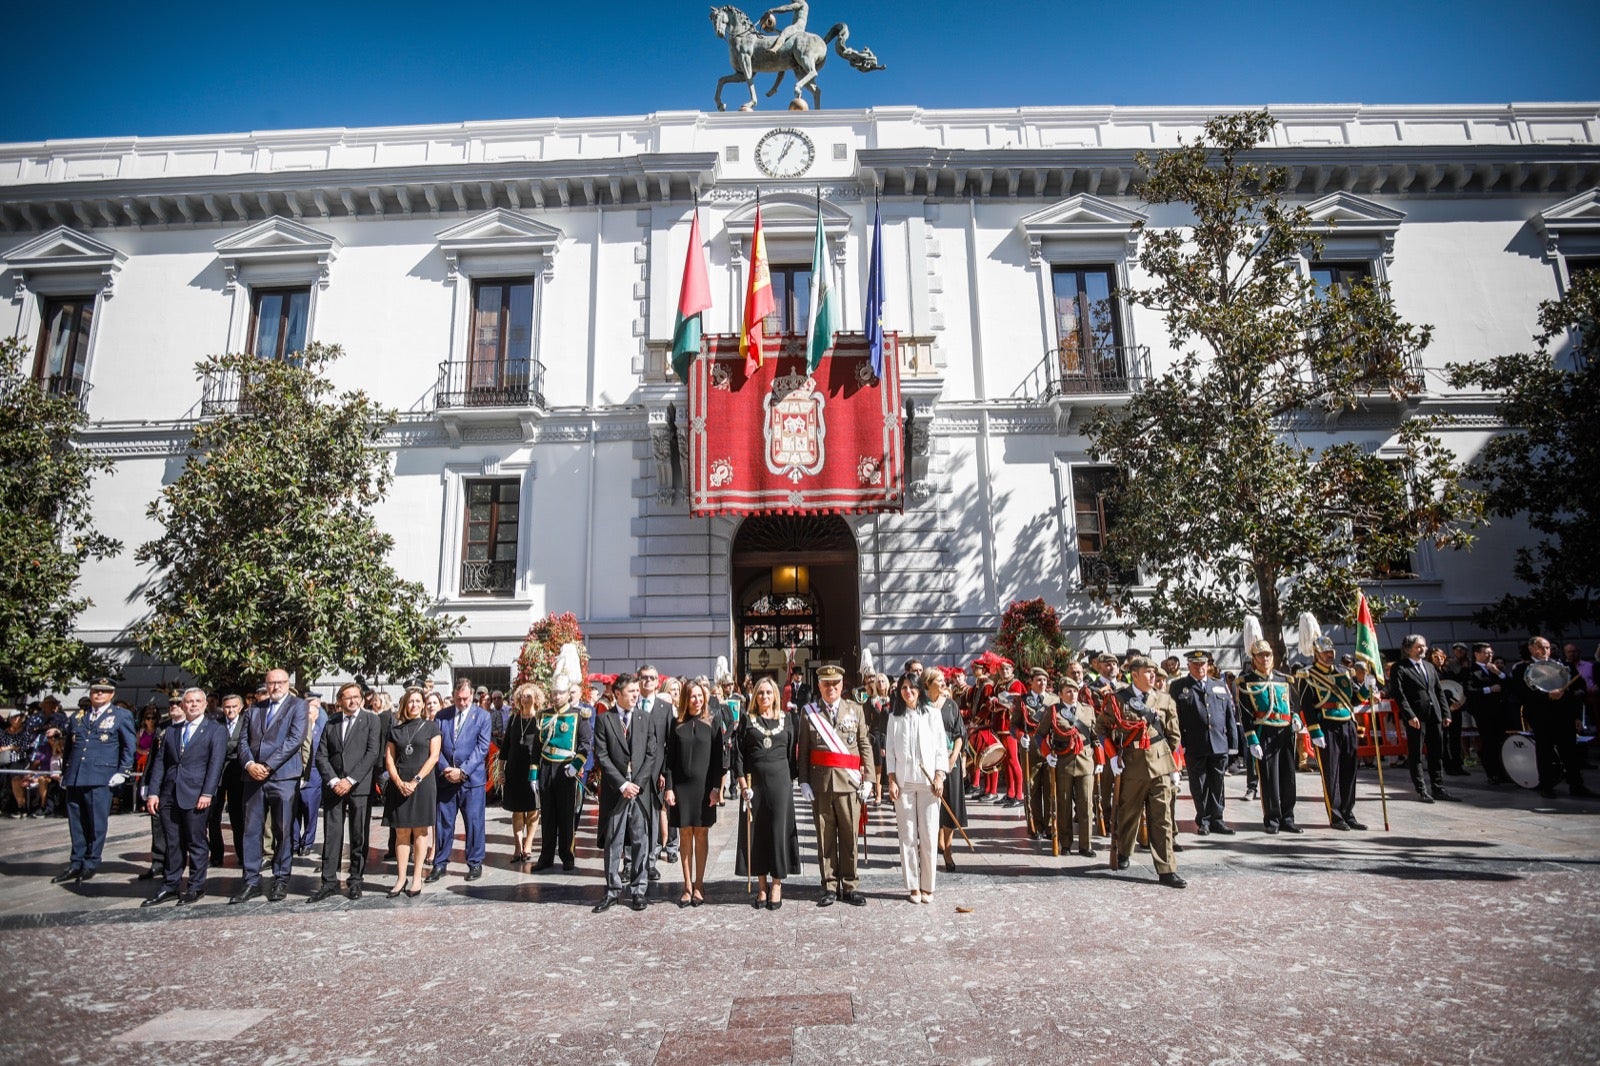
x,y
1367,639
824,313
693,298
758,303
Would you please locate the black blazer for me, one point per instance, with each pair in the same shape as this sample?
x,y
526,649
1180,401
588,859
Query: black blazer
x,y
622,758
355,758
1415,688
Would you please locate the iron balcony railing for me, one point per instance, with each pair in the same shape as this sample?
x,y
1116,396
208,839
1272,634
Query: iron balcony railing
x,y
470,383
66,386
1104,370
489,578
222,393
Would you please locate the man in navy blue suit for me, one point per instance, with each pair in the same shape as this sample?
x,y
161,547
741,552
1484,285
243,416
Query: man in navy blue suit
x,y
463,774
269,752
100,744
182,782
308,798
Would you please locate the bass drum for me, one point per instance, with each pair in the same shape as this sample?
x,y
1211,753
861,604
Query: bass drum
x,y
1522,766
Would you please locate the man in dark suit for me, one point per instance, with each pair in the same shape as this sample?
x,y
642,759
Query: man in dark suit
x,y
347,758
183,783
1414,687
1210,727
1486,699
463,775
308,797
626,752
100,745
270,756
230,793
658,705
1552,714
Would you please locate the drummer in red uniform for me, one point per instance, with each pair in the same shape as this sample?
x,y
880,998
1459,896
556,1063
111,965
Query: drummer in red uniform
x,y
1008,691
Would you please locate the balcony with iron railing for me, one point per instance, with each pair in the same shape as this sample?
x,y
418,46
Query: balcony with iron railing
x,y
467,384
67,387
1069,374
488,577
222,393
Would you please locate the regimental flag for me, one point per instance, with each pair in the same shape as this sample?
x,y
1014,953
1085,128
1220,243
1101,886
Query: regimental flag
x,y
1367,639
874,301
758,304
693,298
823,318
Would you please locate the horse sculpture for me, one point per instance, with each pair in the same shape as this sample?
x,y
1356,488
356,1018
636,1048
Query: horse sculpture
x,y
752,52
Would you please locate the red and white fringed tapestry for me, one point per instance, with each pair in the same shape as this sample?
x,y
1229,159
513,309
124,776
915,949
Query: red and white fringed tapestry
x,y
784,440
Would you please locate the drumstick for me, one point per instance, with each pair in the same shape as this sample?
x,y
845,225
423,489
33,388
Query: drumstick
x,y
940,793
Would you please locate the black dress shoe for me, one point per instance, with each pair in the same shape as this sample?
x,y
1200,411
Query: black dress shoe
x,y
655,874
606,904
1123,863
474,872
1176,846
1172,880
433,875
568,867
855,899
1448,797
245,894
1223,830
188,898
166,895
542,864
354,891
1202,830
324,891
87,875
147,875
1353,824
1425,798
1290,827
636,903
1272,829
827,899
280,891
1339,824
1087,853
71,873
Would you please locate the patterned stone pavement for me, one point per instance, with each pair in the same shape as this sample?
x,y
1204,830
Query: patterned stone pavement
x,y
1467,933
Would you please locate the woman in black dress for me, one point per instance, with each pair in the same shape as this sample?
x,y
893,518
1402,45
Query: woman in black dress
x,y
955,738
411,800
519,751
767,762
694,769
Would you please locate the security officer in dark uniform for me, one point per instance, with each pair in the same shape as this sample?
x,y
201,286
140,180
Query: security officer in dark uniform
x,y
1210,726
100,749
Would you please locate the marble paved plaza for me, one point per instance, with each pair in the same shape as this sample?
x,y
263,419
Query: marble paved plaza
x,y
1470,932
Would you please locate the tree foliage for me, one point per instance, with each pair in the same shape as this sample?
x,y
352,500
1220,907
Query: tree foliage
x,y
1220,508
1030,635
270,555
1543,466
47,531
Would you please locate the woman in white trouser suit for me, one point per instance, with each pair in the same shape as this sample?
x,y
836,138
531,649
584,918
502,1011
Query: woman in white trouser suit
x,y
917,762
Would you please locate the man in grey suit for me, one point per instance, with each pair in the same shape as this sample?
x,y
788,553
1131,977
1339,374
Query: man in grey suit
x,y
269,753
347,758
626,750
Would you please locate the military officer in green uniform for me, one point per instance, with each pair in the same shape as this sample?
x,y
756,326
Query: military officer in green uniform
x,y
566,737
1327,703
1143,725
100,745
1265,697
836,776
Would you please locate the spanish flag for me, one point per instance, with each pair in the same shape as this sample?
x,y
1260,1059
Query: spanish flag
x,y
758,304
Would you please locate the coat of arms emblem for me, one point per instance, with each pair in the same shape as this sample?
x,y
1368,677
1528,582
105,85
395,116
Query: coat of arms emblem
x,y
794,426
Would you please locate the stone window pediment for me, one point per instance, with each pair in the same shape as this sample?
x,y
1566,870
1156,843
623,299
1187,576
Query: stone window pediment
x,y
1572,227
506,241
1083,220
63,259
789,226
277,249
1354,227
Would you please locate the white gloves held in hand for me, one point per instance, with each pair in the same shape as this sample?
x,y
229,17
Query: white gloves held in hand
x,y
1320,742
805,790
1050,760
117,780
1255,750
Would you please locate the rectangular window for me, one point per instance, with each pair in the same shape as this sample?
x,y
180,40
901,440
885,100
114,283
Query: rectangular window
x,y
1092,519
791,293
489,542
61,363
1088,327
1341,276
1400,565
502,340
278,322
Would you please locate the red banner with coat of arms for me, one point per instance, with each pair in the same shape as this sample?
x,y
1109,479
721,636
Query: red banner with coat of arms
x,y
785,440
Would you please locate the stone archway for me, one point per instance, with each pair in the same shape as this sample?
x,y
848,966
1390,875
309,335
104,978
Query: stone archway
x,y
821,623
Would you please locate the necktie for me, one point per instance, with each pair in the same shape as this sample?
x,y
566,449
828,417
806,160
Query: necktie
x,y
188,731
626,719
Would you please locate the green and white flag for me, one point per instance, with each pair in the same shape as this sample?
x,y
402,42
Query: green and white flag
x,y
823,321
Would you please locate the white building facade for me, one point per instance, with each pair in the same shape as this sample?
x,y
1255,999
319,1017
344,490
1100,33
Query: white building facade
x,y
510,288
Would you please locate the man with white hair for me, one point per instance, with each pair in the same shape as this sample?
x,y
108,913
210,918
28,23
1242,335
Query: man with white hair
x,y
183,780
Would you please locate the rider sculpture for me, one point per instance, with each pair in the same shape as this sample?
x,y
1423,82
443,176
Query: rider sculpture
x,y
794,50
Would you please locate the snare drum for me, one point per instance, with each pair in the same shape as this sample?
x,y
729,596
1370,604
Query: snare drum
x,y
1522,765
991,756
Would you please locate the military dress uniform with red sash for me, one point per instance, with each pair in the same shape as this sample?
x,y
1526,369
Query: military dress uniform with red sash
x,y
835,761
1068,750
1095,690
1030,714
1143,726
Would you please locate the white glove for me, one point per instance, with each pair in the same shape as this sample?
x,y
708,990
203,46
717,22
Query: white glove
x,y
1026,741
747,794
1116,764
865,792
1050,760
805,790
1320,742
117,780
1099,768
571,771
1255,751
1176,778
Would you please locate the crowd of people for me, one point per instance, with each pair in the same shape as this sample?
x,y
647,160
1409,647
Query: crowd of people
x,y
1099,749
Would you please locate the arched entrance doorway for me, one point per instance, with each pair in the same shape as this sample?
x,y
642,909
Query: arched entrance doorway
x,y
795,584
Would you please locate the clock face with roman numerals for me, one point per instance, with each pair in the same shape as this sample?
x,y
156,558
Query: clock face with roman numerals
x,y
784,153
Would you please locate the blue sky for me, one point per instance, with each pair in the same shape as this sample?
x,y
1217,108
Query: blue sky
x,y
101,69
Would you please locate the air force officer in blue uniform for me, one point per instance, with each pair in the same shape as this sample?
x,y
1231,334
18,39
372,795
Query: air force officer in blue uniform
x,y
269,752
1210,731
182,782
462,775
100,749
